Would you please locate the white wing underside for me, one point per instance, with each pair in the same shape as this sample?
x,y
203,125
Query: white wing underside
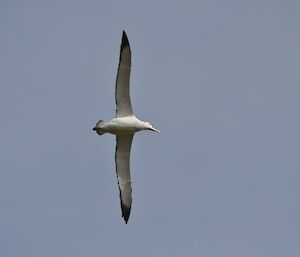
x,y
122,93
122,158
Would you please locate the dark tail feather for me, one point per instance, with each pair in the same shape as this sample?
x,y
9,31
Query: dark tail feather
x,y
97,128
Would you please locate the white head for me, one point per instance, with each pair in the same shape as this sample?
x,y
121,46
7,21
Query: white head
x,y
150,127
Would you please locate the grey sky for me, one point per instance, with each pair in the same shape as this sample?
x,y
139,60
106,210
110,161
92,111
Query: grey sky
x,y
220,79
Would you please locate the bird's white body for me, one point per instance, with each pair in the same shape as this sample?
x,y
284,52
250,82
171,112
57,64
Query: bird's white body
x,y
123,126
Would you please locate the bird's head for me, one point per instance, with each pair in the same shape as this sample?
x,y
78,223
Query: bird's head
x,y
150,127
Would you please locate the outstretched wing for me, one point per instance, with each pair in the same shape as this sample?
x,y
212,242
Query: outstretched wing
x,y
122,158
122,94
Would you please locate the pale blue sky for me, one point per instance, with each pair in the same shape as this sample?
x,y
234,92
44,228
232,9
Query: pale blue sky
x,y
220,79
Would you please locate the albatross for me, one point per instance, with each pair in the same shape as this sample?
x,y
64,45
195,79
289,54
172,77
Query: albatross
x,y
124,125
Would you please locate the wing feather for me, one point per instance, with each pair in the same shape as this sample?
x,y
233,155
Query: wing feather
x,y
122,158
122,93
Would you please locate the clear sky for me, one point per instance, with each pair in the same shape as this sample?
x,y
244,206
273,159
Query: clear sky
x,y
220,79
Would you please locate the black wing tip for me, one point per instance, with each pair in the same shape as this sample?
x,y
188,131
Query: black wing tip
x,y
125,212
125,41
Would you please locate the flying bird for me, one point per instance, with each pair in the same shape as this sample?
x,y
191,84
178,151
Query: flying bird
x,y
124,125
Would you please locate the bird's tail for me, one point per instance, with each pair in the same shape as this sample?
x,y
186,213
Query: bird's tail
x,y
97,128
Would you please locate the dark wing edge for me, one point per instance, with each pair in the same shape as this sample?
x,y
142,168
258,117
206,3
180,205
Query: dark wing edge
x,y
125,210
124,43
